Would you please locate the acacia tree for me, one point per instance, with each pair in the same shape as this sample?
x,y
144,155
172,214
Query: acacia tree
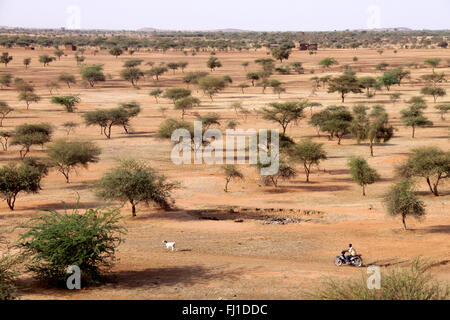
x,y
67,79
443,109
136,182
388,79
5,109
433,91
281,53
70,126
285,172
93,74
156,93
336,120
4,137
413,117
45,59
132,63
328,62
253,76
185,104
193,77
370,84
29,97
27,135
431,163
66,155
132,74
5,80
19,178
362,173
68,102
173,66
283,113
59,53
213,63
156,72
401,200
308,153
106,119
375,128
175,94
5,58
433,62
116,51
231,172
344,84
212,85
132,109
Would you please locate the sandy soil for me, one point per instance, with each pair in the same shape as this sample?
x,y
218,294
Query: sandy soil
x,y
223,258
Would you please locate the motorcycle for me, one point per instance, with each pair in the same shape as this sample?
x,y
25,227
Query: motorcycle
x,y
354,260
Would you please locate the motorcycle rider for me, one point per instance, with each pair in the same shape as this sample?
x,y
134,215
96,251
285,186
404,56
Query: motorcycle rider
x,y
351,253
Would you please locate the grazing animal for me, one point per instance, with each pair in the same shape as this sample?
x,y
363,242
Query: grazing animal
x,y
169,245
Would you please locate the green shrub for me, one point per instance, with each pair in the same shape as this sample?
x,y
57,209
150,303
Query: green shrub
x,y
413,283
8,274
88,240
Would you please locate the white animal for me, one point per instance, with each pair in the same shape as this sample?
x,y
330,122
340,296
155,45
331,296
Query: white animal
x,y
169,245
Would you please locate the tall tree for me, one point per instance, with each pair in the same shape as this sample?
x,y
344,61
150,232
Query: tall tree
x,y
431,163
362,173
213,63
5,109
308,153
116,51
5,58
231,172
136,182
345,84
401,200
45,59
328,62
93,74
212,85
68,79
433,91
66,155
283,113
15,179
413,117
29,97
68,102
27,135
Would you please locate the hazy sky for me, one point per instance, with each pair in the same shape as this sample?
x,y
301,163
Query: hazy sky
x,y
268,15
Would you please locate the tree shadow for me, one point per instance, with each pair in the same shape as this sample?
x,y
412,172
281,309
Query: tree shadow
x,y
438,229
147,279
69,205
309,187
169,276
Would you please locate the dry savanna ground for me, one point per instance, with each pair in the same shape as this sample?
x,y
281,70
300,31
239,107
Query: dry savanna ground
x,y
219,257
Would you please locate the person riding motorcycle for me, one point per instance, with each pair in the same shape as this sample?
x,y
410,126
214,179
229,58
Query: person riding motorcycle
x,y
351,253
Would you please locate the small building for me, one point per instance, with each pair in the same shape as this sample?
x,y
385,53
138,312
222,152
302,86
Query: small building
x,y
70,47
308,46
274,45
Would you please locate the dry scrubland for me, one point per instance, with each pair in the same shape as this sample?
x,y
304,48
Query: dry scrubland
x,y
222,258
